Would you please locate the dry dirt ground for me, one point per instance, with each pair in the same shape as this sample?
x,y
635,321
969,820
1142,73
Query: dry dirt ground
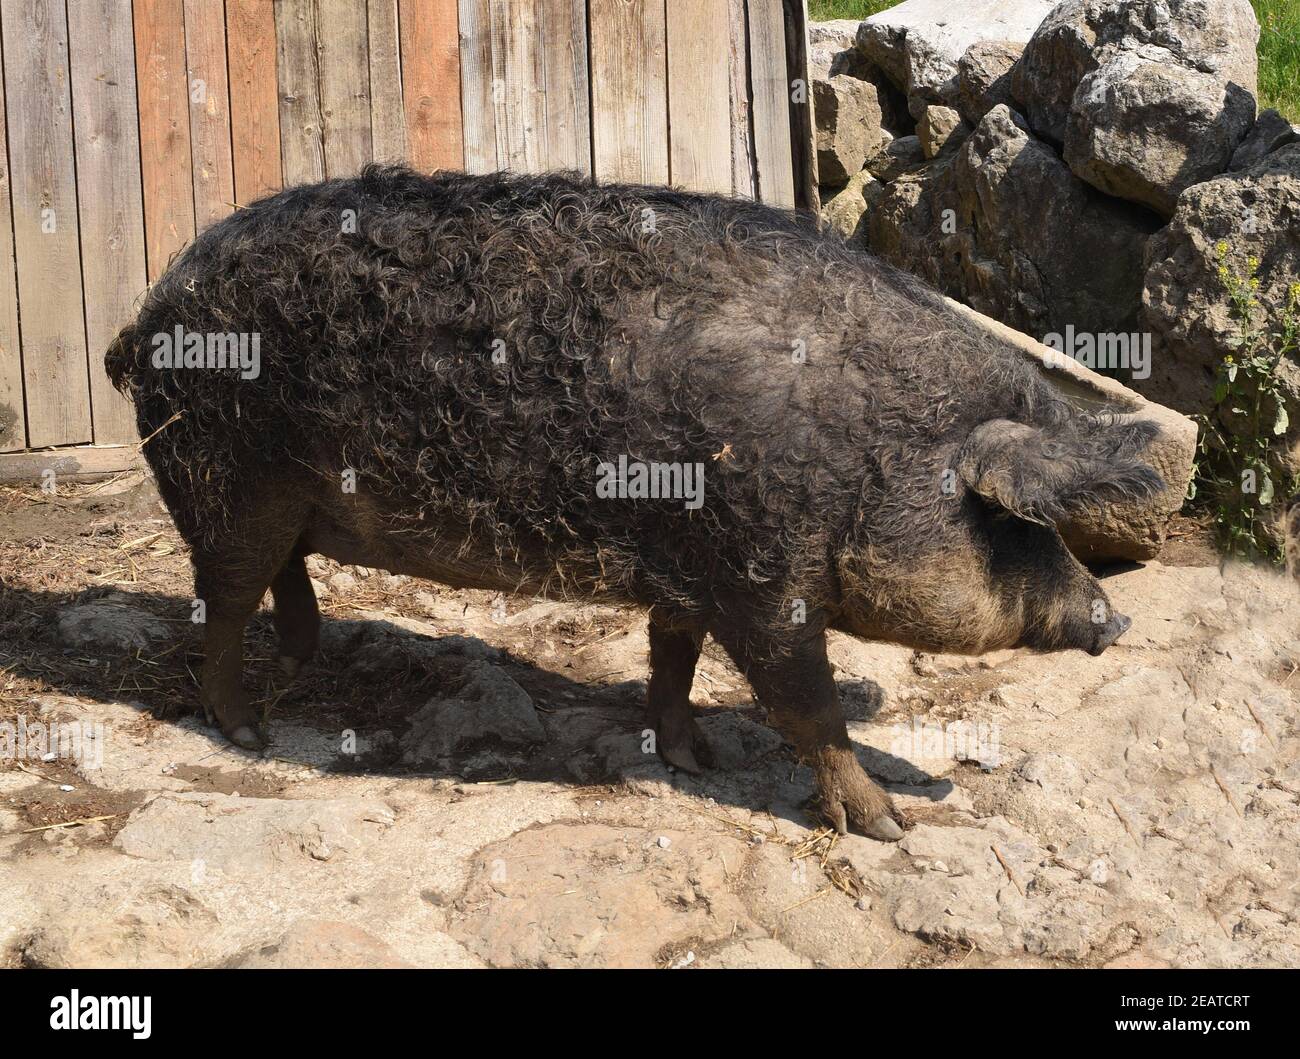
x,y
462,780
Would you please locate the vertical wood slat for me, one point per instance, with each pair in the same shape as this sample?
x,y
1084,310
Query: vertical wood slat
x,y
518,85
771,107
254,103
476,87
802,122
302,147
209,101
742,148
629,96
567,88
387,122
699,95
111,205
164,130
13,417
38,108
431,83
524,86
343,59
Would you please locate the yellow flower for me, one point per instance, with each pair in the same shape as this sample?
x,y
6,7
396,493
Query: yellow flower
x,y
1221,248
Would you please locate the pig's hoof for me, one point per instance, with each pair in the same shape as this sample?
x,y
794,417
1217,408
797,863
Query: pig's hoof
x,y
686,750
849,799
246,736
290,666
883,829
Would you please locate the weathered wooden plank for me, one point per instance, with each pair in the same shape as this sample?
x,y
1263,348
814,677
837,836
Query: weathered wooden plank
x,y
205,62
344,65
302,146
431,83
699,95
13,416
802,124
164,130
254,103
38,109
110,202
518,85
478,109
628,91
566,93
387,121
83,462
742,148
770,113
524,85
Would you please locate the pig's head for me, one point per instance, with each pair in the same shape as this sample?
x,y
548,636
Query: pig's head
x,y
1000,575
1048,599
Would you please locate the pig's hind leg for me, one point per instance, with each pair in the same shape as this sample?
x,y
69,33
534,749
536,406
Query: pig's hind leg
x,y
675,642
794,682
232,572
297,618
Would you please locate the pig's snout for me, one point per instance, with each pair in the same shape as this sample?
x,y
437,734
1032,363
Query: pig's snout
x,y
1110,632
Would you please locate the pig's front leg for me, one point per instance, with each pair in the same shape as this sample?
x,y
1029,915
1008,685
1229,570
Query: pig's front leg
x,y
795,684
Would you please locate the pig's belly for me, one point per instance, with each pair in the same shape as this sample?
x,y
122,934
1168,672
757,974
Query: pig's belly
x,y
449,558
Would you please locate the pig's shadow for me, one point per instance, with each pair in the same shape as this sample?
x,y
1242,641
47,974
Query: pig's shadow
x,y
373,678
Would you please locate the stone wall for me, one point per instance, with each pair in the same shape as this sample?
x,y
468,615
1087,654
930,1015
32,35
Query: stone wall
x,y
1068,169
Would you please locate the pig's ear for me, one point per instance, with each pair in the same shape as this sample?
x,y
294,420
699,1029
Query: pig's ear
x,y
1046,474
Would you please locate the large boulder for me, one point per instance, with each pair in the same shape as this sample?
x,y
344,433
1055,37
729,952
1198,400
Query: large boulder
x,y
832,49
940,130
848,127
1004,226
1256,213
1145,99
1214,36
846,210
984,77
1271,131
920,43
832,52
1146,129
903,155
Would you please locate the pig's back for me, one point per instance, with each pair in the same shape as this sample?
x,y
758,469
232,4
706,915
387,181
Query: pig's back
x,y
473,348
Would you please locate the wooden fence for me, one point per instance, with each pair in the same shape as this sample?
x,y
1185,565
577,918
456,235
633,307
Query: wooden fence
x,y
130,125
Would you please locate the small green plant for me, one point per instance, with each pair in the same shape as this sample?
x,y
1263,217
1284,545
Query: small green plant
x,y
1242,465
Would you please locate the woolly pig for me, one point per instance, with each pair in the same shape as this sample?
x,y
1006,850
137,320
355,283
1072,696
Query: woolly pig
x,y
693,404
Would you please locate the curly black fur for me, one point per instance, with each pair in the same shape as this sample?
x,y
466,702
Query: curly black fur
x,y
642,321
